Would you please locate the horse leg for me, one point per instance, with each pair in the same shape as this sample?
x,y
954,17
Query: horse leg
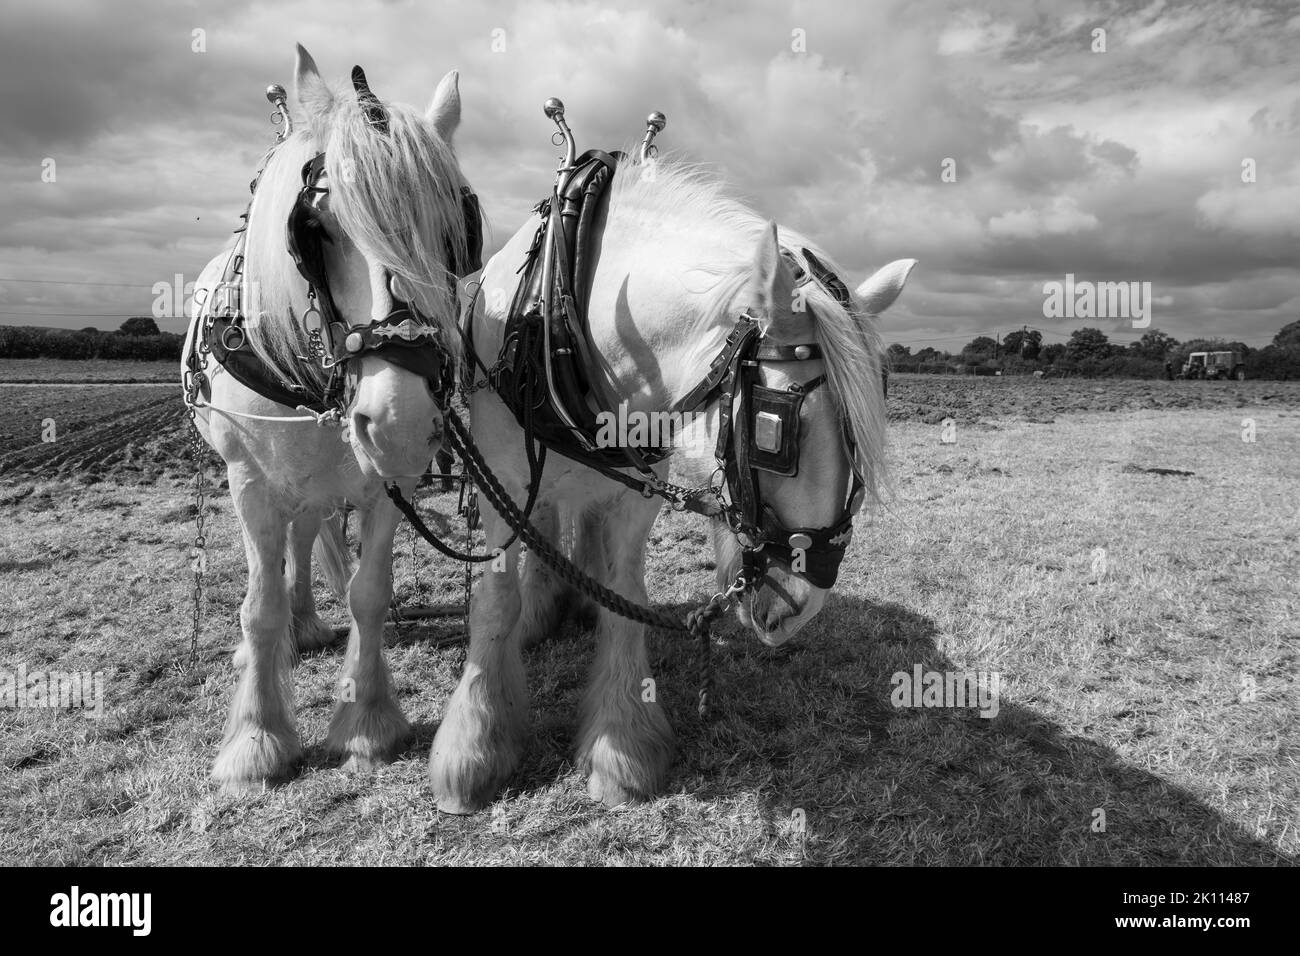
x,y
485,724
589,556
367,725
261,742
543,594
625,743
309,632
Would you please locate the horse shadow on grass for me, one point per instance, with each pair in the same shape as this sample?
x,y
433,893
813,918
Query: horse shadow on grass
x,y
847,777
843,776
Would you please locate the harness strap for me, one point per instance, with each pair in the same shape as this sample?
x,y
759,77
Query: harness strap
x,y
742,471
722,366
771,352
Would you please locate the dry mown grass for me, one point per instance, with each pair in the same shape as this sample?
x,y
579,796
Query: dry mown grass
x,y
1121,689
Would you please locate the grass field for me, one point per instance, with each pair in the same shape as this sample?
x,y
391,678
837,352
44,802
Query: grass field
x,y
1144,626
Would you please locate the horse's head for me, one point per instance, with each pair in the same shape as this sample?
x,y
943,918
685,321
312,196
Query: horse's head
x,y
369,201
825,418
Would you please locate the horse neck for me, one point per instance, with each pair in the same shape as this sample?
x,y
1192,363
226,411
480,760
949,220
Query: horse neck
x,y
653,319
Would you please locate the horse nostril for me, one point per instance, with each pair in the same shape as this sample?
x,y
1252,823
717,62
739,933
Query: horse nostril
x,y
361,427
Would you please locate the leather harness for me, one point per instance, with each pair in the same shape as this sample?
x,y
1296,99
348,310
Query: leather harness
x,y
547,373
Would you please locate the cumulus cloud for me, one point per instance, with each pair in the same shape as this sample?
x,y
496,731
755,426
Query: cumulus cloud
x,y
838,120
1246,209
1061,216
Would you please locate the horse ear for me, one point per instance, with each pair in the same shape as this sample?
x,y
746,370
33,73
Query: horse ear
x,y
879,292
312,92
771,281
444,109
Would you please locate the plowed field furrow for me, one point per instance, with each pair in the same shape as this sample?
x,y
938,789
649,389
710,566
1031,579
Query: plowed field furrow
x,y
138,434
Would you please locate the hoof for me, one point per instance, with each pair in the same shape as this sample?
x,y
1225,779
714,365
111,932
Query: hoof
x,y
479,742
606,790
367,737
359,764
252,760
627,768
463,787
459,808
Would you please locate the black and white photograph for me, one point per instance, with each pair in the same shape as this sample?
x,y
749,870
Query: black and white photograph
x,y
577,434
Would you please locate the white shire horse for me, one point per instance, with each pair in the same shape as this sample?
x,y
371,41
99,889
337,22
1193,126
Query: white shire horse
x,y
680,261
382,214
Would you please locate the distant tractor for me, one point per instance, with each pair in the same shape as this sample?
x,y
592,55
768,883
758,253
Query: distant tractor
x,y
1215,365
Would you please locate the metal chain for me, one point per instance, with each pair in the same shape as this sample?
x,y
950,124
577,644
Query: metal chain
x,y
678,495
200,555
467,507
193,382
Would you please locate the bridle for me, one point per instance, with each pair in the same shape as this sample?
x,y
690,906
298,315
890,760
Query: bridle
x,y
758,431
405,336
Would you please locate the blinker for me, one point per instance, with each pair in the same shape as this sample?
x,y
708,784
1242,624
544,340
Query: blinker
x,y
774,439
802,541
353,342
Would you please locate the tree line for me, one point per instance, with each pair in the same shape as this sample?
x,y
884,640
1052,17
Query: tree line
x,y
1087,353
1091,354
138,338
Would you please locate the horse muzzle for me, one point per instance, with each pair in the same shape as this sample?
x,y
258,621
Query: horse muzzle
x,y
395,423
780,606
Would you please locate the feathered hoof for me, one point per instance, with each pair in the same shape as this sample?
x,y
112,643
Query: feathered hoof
x,y
622,770
367,737
253,759
463,786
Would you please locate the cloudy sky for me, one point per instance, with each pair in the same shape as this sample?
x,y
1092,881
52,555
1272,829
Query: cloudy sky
x,y
835,118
